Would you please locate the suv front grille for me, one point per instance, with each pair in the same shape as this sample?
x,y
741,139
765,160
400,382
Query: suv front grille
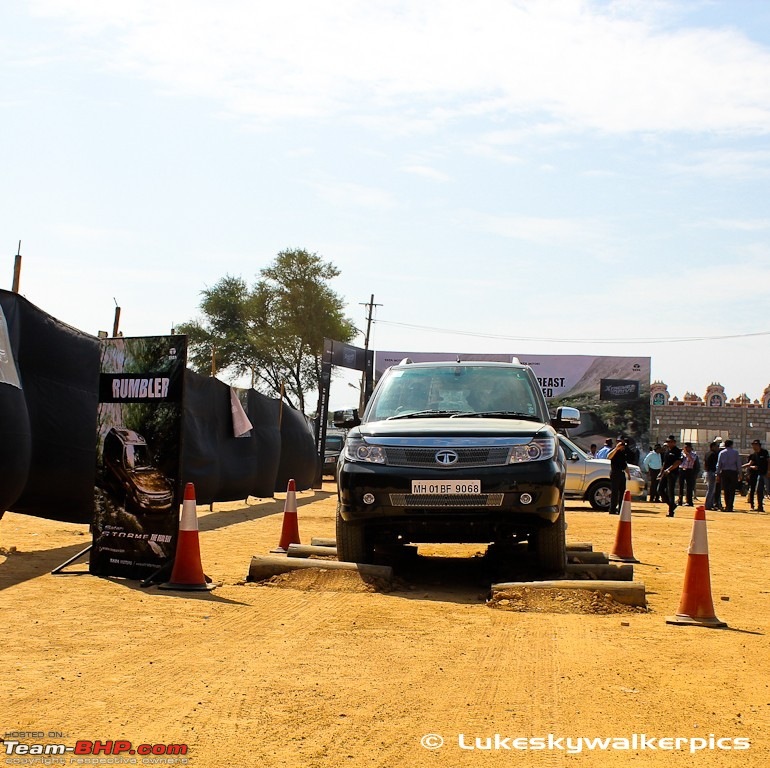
x,y
424,500
496,456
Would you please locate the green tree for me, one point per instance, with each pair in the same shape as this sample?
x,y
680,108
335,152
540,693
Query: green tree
x,y
273,331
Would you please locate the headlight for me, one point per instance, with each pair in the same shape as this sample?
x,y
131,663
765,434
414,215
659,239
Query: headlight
x,y
539,449
357,449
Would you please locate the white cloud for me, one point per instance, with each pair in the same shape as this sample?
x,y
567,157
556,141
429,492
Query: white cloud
x,y
572,234
740,225
727,163
93,236
343,194
616,68
426,172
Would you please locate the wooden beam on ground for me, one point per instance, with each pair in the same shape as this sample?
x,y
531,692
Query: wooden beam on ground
x,y
626,592
304,550
580,546
587,557
610,571
264,566
318,542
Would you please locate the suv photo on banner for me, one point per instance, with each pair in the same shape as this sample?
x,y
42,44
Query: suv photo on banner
x,y
137,492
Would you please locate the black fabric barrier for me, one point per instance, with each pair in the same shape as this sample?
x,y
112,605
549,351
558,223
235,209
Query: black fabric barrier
x,y
48,427
227,468
299,458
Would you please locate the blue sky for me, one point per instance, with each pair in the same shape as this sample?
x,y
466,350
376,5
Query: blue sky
x,y
557,177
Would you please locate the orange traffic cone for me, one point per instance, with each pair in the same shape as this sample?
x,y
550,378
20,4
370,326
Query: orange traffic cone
x,y
290,530
187,574
623,550
696,606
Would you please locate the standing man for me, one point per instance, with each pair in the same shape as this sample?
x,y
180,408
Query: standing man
x,y
592,451
672,458
728,469
687,470
710,463
652,465
604,451
757,466
618,475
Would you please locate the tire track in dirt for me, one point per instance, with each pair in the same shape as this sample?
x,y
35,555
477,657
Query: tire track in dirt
x,y
517,675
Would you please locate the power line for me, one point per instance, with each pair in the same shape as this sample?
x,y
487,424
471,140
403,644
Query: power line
x,y
621,340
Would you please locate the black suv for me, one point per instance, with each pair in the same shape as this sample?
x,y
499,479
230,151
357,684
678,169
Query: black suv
x,y
454,452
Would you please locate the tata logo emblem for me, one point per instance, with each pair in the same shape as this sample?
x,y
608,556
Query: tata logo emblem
x,y
446,458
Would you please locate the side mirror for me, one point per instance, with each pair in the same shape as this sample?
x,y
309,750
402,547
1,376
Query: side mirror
x,y
566,418
346,419
573,456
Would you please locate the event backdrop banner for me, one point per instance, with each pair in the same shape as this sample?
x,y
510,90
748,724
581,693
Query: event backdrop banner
x,y
612,393
138,492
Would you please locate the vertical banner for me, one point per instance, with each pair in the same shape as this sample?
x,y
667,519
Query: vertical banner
x,y
138,489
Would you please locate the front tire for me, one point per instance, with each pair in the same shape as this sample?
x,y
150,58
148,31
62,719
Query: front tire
x,y
600,495
552,546
351,542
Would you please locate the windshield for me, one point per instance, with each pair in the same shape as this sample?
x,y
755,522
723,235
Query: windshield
x,y
570,447
138,457
463,390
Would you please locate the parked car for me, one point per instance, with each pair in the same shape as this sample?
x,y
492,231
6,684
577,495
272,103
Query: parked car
x,y
335,439
589,479
129,473
456,452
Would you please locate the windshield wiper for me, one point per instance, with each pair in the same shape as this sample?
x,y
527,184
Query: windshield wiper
x,y
496,415
420,414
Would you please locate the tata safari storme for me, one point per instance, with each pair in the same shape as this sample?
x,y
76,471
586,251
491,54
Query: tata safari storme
x,y
454,452
130,474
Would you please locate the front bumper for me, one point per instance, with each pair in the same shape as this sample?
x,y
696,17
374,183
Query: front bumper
x,y
382,495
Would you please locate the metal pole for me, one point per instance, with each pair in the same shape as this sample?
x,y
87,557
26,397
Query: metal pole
x,y
371,305
17,270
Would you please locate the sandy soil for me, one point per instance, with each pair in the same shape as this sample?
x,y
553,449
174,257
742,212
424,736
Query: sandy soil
x,y
321,669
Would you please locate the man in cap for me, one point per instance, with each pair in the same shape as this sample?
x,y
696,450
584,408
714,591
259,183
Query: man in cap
x,y
728,470
672,458
619,473
757,466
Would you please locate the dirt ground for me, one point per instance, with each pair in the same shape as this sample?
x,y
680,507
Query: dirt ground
x,y
320,669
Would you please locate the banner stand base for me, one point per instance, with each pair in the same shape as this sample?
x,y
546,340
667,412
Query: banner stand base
x,y
60,568
161,575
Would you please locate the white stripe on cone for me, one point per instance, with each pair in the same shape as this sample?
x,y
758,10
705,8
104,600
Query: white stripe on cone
x,y
699,544
189,519
625,508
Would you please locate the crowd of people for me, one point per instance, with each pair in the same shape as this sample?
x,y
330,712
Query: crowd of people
x,y
673,472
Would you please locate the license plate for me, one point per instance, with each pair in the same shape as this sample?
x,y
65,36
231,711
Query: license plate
x,y
446,487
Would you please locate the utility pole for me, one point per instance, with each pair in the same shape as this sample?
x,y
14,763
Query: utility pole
x,y
17,270
116,322
370,307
